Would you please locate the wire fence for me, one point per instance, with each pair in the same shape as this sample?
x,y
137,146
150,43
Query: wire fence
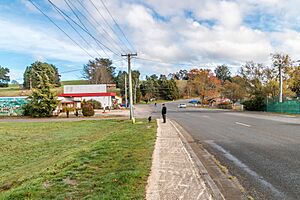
x,y
289,107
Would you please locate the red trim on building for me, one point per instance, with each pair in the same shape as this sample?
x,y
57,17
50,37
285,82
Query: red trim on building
x,y
102,94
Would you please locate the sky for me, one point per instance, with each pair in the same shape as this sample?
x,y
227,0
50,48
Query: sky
x,y
173,34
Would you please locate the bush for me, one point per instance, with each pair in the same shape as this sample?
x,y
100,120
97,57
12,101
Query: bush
x,y
224,105
3,84
256,104
87,109
95,104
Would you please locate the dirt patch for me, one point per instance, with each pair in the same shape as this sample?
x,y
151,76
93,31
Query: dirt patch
x,y
69,181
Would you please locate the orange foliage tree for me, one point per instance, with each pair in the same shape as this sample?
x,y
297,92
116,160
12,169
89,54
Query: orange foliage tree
x,y
204,83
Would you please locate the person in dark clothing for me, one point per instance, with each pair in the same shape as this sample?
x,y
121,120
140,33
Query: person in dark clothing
x,y
164,113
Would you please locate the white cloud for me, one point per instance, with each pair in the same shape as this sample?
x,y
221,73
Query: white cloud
x,y
41,43
202,32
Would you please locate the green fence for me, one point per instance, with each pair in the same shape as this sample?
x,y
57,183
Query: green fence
x,y
290,107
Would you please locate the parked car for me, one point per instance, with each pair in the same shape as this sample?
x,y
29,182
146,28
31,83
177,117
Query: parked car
x,y
194,102
182,105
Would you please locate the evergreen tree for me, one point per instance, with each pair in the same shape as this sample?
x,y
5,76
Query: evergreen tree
x,y
43,101
4,78
35,70
99,71
223,73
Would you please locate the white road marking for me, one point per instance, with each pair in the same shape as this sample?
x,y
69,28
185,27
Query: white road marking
x,y
245,168
239,123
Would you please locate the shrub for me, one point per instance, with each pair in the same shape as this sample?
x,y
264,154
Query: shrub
x,y
224,105
67,110
87,109
256,104
95,104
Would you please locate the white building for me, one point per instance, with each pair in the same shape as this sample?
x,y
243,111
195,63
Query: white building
x,y
74,94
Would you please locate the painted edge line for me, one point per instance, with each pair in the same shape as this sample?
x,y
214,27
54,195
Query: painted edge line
x,y
242,124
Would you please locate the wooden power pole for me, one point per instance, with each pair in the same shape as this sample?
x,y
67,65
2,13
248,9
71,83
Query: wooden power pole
x,y
126,99
130,84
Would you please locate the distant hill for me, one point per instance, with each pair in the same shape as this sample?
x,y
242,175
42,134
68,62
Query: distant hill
x,y
75,82
15,90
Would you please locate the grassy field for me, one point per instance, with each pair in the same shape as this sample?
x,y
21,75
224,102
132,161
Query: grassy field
x,y
15,90
75,160
75,82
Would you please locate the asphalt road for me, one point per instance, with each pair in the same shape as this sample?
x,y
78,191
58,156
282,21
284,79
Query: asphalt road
x,y
262,150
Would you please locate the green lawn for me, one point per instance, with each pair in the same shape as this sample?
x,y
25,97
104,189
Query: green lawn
x,y
108,159
13,90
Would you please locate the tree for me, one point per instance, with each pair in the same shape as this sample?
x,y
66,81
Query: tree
x,y
15,82
223,73
99,71
120,81
136,85
294,81
4,78
180,75
255,76
233,89
42,102
204,83
36,69
168,89
150,87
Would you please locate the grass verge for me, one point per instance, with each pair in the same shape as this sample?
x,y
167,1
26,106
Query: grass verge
x,y
108,159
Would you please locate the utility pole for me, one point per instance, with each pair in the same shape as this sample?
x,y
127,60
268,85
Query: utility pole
x,y
280,82
126,101
130,84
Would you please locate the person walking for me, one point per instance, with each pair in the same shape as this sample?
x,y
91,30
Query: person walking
x,y
164,113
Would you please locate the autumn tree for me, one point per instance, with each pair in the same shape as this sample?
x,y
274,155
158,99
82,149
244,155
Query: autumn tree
x,y
234,89
294,81
204,83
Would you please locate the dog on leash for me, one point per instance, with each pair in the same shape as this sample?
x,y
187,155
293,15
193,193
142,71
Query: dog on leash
x,y
149,119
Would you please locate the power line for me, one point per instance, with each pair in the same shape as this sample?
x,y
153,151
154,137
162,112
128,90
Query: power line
x,y
78,32
60,29
84,29
74,70
103,29
80,21
118,26
109,25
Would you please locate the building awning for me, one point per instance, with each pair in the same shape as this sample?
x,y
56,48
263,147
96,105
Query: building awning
x,y
66,101
102,94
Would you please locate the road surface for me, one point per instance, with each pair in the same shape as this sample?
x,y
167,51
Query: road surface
x,y
262,150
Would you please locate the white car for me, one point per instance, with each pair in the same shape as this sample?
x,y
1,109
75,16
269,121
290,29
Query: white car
x,y
182,105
